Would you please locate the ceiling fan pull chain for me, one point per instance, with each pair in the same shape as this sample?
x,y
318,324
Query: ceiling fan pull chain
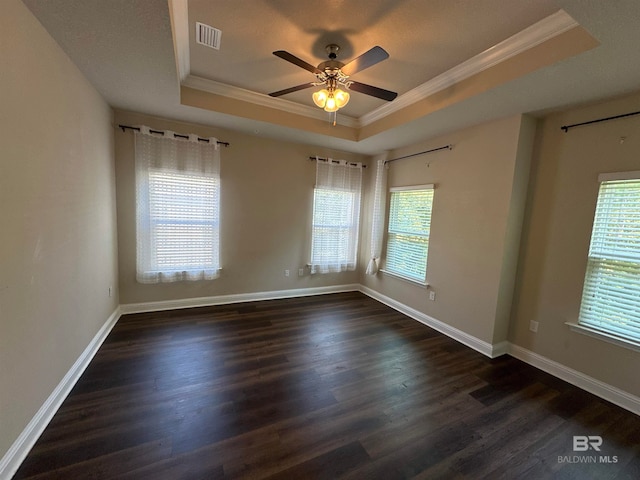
x,y
335,117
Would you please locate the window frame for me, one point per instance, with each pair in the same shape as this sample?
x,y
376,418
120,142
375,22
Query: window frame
x,y
353,225
598,328
389,269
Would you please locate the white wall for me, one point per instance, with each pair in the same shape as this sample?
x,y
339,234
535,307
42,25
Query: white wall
x,y
57,211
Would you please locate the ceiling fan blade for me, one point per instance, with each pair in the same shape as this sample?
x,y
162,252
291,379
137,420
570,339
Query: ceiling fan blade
x,y
366,60
297,61
373,91
291,90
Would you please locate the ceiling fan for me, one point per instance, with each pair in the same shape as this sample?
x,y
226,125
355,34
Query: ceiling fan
x,y
334,74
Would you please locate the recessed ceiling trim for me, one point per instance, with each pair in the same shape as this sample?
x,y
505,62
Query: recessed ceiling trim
x,y
261,99
534,35
179,13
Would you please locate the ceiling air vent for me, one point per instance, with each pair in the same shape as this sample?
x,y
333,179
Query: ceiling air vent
x,y
208,36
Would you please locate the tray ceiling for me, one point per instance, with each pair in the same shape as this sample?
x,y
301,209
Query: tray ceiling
x,y
452,63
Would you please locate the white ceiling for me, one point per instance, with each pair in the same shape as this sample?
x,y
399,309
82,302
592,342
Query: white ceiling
x,y
126,49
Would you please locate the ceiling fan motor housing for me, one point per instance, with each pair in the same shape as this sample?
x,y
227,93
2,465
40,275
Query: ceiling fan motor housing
x,y
332,66
332,50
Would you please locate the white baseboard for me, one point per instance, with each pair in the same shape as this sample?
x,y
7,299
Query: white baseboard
x,y
16,454
603,390
478,345
499,349
235,298
11,461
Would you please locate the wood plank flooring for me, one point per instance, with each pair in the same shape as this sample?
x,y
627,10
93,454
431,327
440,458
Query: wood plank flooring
x,y
325,387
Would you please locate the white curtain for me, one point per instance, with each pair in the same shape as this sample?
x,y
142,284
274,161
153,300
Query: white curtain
x,y
336,216
377,220
177,207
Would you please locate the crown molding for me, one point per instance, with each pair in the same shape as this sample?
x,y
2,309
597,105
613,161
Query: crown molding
x,y
179,13
534,35
217,88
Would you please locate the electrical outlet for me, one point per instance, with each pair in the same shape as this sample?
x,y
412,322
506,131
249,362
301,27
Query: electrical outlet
x,y
533,326
286,273
432,295
301,272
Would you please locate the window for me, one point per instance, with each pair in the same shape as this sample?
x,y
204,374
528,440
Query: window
x,y
408,232
336,216
178,208
611,294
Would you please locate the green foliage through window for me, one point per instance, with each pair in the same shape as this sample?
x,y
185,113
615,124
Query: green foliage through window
x,y
408,233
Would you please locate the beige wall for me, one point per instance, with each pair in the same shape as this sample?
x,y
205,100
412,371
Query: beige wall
x,y
59,247
57,211
266,202
476,209
512,236
561,205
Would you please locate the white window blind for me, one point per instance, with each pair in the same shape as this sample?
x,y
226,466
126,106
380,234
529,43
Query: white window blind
x,y
408,232
611,294
177,208
336,216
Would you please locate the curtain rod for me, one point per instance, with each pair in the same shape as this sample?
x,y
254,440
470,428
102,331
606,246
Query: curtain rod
x,y
334,161
567,127
447,147
127,127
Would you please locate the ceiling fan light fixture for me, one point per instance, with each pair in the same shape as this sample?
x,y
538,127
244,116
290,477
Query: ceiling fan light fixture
x,y
320,97
331,100
331,105
342,97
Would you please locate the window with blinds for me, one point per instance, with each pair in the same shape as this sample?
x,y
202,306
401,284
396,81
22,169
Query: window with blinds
x,y
408,232
184,223
336,216
611,294
334,236
177,208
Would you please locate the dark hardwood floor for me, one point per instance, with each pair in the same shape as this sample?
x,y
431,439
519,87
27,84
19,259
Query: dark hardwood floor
x,y
333,386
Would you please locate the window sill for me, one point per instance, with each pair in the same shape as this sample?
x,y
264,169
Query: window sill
x,y
330,269
178,276
605,336
400,277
